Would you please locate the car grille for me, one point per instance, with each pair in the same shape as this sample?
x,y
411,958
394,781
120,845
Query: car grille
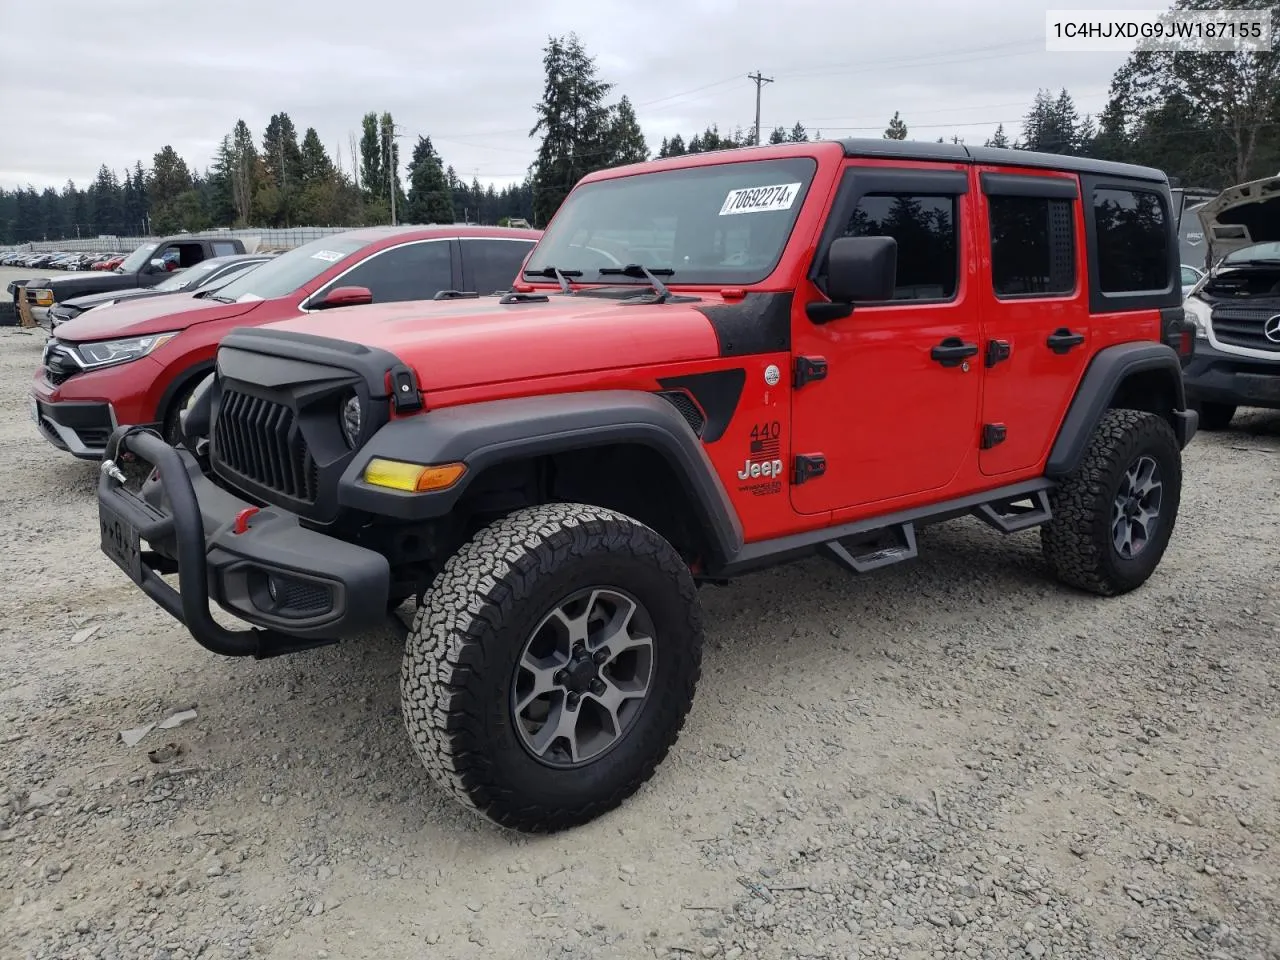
x,y
59,365
1242,326
260,440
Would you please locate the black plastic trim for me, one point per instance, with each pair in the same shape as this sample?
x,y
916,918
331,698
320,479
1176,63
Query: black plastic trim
x,y
199,526
486,434
1013,185
717,392
1100,302
765,553
995,156
1106,372
371,363
758,323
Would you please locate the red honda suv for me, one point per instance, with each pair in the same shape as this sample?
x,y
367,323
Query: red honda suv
x,y
138,362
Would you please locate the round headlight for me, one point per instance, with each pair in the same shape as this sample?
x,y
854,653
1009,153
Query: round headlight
x,y
351,413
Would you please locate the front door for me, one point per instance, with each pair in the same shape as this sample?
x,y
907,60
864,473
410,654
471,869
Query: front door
x,y
896,415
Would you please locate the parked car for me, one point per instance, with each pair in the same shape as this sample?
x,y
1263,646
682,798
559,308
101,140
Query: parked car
x,y
145,267
137,362
1236,305
204,278
1190,277
719,362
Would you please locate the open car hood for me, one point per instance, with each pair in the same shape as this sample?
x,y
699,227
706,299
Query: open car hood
x,y
1240,216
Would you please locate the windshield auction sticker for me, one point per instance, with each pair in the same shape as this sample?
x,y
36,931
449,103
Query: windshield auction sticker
x,y
332,256
760,199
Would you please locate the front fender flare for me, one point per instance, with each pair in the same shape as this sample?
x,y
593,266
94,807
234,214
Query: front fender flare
x,y
486,434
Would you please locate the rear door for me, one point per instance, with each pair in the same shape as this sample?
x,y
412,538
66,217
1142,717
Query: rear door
x,y
1035,311
492,264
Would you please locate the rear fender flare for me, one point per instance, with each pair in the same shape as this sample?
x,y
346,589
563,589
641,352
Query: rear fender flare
x,y
1101,382
490,433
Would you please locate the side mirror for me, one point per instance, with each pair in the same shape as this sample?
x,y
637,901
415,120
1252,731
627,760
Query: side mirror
x,y
862,269
344,297
157,265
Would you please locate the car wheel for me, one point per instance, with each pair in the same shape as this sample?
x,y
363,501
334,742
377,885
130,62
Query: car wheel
x,y
552,665
173,417
1113,516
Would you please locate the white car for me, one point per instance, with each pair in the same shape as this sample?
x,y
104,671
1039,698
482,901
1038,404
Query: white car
x,y
1190,277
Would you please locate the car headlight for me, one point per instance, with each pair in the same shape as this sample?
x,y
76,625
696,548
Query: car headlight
x,y
1198,312
104,353
351,421
41,296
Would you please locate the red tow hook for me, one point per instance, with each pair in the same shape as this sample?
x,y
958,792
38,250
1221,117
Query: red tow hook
x,y
242,520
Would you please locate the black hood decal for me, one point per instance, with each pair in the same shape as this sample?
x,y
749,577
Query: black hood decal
x,y
758,323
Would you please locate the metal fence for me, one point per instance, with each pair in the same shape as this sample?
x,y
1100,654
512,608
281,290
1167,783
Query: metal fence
x,y
267,238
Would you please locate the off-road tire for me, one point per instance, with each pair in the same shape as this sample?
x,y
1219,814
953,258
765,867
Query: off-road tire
x,y
1077,542
471,629
1215,416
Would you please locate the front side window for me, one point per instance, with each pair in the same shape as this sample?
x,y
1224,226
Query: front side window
x,y
411,271
927,232
1032,246
1132,235
722,224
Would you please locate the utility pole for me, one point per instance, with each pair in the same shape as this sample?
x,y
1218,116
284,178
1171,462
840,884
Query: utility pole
x,y
760,81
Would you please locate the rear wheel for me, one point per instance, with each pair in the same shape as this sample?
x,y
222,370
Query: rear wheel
x,y
552,664
1216,416
1112,517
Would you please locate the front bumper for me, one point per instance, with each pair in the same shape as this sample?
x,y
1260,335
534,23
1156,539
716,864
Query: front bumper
x,y
298,588
81,429
1215,376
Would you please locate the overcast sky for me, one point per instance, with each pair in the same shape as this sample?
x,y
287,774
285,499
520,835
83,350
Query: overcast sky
x,y
113,82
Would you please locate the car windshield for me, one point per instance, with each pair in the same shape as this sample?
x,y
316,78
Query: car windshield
x,y
134,261
289,271
1257,251
189,277
720,224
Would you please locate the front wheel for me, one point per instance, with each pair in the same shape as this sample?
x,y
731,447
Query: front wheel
x,y
552,664
1113,516
173,416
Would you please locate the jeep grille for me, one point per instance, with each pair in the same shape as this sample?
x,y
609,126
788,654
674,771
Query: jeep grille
x,y
259,440
1242,326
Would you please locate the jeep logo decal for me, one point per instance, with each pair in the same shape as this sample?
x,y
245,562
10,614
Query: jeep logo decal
x,y
769,468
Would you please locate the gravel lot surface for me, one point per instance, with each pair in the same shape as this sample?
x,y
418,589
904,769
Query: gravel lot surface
x,y
954,757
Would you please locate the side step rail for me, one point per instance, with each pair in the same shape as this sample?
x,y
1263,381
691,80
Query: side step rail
x,y
889,546
1014,515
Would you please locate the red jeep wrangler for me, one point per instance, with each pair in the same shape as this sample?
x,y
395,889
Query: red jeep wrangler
x,y
719,362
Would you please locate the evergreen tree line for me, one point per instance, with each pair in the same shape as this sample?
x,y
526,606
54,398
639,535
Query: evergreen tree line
x,y
1208,120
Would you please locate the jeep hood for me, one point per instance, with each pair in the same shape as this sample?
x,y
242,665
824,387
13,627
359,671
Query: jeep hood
x,y
473,342
1240,216
134,318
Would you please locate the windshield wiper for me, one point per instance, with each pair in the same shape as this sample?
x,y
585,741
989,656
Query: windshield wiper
x,y
560,276
220,299
636,270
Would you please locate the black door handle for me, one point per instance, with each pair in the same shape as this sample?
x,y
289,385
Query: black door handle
x,y
1063,340
952,351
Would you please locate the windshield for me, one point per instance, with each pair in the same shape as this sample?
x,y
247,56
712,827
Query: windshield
x,y
722,224
1258,251
188,277
291,270
134,261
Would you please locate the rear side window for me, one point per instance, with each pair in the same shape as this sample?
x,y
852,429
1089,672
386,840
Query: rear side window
x,y
221,248
1132,236
1033,249
492,265
928,245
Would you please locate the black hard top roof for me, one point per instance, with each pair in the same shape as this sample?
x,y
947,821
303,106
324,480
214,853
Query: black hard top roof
x,y
960,153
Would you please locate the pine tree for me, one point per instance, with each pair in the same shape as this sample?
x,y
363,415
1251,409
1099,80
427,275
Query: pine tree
x,y
430,200
798,134
373,178
573,121
998,139
778,135
897,129
625,135
282,158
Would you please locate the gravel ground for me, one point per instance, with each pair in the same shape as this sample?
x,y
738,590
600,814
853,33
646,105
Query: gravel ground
x,y
954,757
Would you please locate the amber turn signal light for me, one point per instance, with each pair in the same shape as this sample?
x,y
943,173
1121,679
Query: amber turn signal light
x,y
412,477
